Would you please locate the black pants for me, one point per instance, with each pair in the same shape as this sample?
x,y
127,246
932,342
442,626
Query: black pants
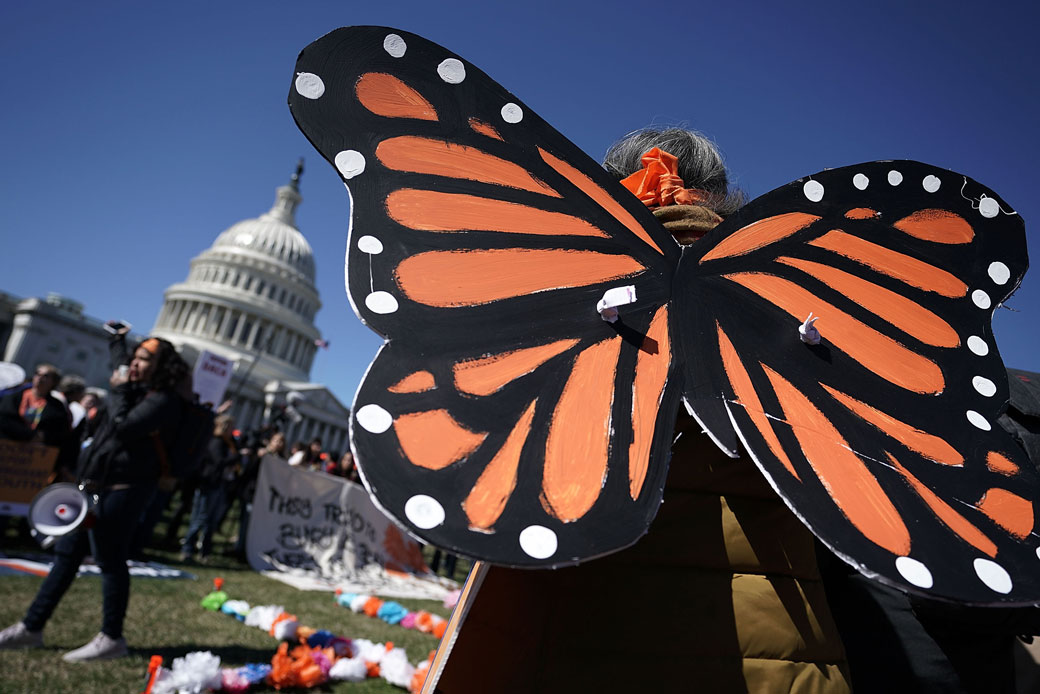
x,y
108,541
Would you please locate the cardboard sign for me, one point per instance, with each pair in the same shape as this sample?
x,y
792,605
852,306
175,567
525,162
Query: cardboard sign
x,y
211,377
24,470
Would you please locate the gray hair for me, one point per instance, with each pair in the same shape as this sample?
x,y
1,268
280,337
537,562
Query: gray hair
x,y
700,163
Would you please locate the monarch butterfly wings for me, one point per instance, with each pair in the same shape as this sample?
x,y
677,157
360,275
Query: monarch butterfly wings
x,y
883,437
500,419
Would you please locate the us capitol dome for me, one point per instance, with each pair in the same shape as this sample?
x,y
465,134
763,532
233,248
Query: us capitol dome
x,y
251,298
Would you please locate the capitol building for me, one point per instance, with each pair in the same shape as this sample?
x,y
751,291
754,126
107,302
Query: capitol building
x,y
249,298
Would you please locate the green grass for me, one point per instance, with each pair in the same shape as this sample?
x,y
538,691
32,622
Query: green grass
x,y
164,618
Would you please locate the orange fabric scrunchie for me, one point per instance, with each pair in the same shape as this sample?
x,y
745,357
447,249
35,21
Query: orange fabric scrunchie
x,y
658,183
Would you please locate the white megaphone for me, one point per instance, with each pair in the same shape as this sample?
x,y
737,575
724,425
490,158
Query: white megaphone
x,y
58,510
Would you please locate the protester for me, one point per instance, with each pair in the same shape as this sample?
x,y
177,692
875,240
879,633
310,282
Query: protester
x,y
210,502
33,413
297,454
120,467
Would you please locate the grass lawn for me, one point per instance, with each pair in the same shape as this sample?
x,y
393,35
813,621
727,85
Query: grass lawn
x,y
164,618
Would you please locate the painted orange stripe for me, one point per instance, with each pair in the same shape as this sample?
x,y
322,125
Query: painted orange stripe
x,y
940,226
854,489
930,446
434,440
748,398
760,234
944,512
440,158
905,314
1009,511
386,95
579,436
861,213
999,463
912,271
489,495
418,382
875,351
484,128
648,385
469,278
600,196
487,375
428,210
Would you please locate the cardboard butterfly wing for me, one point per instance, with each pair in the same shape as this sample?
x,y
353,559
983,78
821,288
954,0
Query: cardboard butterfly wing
x,y
883,437
503,418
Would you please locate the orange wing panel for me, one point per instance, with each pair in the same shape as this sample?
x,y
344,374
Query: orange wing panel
x,y
902,267
944,512
999,463
939,226
862,213
489,495
928,445
434,440
748,398
905,314
440,158
759,235
648,385
484,128
385,95
578,445
469,278
852,486
875,351
487,375
600,196
1009,511
418,382
428,210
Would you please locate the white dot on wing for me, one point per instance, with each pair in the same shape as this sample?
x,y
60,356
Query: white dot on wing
x,y
370,245
424,511
374,419
511,113
988,207
981,299
978,421
860,181
984,386
978,346
538,541
381,302
993,575
309,85
914,571
350,163
894,177
452,70
813,190
394,45
931,183
999,272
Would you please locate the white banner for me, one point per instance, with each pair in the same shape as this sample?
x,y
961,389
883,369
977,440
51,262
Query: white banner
x,y
317,531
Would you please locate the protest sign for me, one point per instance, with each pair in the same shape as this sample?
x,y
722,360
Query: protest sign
x,y
25,468
211,377
314,530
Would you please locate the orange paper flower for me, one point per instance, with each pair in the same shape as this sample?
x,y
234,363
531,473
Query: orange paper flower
x,y
372,606
658,183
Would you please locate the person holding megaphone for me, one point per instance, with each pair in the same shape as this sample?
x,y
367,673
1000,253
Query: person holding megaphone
x,y
120,470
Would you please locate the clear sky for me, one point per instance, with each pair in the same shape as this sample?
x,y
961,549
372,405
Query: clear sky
x,y
133,133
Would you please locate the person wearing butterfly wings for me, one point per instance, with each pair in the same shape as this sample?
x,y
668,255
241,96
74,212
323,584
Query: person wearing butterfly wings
x,y
542,330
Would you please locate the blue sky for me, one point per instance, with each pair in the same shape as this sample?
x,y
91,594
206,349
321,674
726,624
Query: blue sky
x,y
134,133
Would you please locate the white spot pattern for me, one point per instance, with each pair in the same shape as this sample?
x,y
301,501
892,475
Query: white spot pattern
x,y
374,419
309,85
424,511
978,346
999,272
988,207
978,420
894,177
993,575
511,113
860,181
370,245
452,70
931,183
984,386
914,571
981,299
538,541
381,302
813,191
394,45
350,163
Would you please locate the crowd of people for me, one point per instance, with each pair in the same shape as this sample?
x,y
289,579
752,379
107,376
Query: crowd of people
x,y
125,450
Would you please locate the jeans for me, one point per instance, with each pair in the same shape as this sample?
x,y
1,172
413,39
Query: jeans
x,y
205,514
109,542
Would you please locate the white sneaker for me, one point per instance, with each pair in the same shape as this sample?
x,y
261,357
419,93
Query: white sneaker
x,y
17,636
101,647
